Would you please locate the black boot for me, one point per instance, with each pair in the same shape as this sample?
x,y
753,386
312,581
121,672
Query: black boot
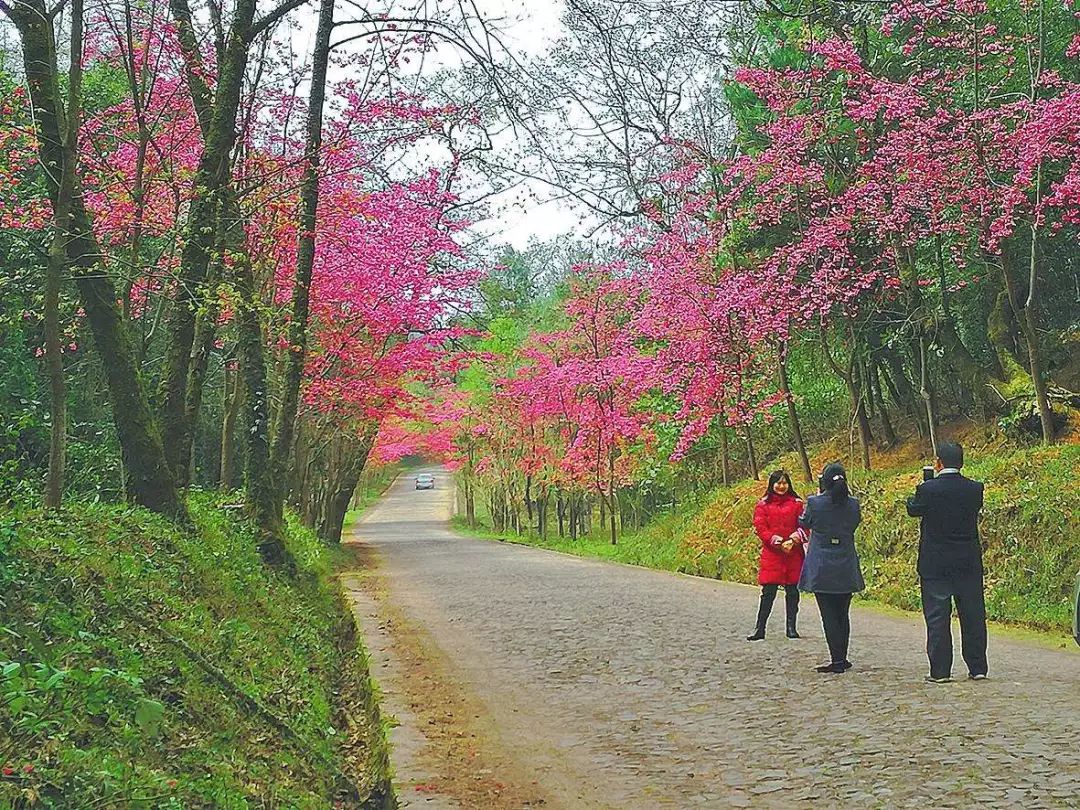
x,y
791,600
768,594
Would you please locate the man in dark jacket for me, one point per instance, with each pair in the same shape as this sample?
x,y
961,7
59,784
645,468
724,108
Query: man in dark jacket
x,y
950,564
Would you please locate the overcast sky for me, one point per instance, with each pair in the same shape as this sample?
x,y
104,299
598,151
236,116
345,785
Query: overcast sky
x,y
528,27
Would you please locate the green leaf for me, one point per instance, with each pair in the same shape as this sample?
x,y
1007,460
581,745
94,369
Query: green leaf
x,y
55,678
148,716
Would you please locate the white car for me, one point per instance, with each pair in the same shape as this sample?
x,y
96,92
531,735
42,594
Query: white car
x,y
425,481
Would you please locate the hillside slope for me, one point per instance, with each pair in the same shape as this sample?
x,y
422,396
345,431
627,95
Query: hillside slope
x,y
142,666
1030,528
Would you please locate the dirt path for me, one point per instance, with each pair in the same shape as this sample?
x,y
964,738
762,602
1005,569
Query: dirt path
x,y
523,678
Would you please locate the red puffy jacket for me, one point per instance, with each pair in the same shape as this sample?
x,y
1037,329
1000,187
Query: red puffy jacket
x,y
778,515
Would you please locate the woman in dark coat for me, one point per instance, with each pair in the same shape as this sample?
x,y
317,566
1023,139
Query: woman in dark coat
x,y
831,571
776,521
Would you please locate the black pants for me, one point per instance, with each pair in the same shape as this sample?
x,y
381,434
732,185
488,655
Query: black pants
x,y
791,593
768,596
937,599
836,621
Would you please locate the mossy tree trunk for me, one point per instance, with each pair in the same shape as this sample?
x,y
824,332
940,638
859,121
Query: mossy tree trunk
x,y
305,258
205,332
259,486
329,460
217,115
148,479
54,485
55,268
230,410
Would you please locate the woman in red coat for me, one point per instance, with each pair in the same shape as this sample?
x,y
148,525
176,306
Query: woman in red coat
x,y
776,521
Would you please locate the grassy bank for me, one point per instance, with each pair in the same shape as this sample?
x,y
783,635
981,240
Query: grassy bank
x,y
1030,527
142,666
372,485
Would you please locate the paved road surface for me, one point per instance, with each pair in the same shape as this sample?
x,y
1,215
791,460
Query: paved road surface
x,y
553,681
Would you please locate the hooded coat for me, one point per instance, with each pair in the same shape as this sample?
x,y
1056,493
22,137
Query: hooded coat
x,y
778,515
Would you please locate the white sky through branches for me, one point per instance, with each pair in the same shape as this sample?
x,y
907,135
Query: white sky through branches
x,y
527,211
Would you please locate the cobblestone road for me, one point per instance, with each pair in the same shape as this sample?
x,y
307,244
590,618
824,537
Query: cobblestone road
x,y
613,686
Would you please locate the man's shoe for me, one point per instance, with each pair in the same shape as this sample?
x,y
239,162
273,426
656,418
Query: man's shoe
x,y
932,679
846,665
976,676
835,667
792,632
757,635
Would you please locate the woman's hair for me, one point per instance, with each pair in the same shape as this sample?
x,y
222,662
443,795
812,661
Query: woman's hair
x,y
834,482
775,476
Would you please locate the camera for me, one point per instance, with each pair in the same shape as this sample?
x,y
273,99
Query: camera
x,y
927,473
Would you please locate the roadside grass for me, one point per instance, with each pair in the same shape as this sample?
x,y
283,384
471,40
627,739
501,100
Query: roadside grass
x,y
654,546
1030,527
373,484
146,666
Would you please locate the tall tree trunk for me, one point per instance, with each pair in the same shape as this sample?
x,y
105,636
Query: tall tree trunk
x,y
847,374
57,263
866,437
883,412
528,499
901,388
793,416
210,181
205,332
863,378
469,485
498,522
611,494
924,391
1003,330
230,408
751,455
54,485
305,256
137,71
1029,327
348,464
147,477
470,504
725,457
260,488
